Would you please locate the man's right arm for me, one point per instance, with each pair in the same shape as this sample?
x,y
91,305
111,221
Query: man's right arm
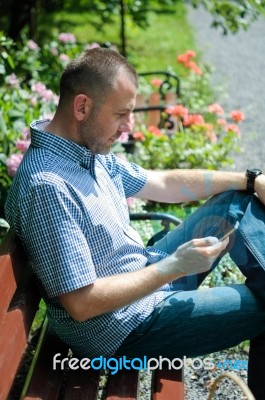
x,y
116,291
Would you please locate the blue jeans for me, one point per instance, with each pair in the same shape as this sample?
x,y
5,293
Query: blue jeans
x,y
194,322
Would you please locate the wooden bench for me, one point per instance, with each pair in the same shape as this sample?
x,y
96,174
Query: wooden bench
x,y
19,302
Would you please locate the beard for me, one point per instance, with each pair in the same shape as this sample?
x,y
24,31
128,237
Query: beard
x,y
92,137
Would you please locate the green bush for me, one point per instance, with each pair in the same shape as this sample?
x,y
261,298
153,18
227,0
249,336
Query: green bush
x,y
29,77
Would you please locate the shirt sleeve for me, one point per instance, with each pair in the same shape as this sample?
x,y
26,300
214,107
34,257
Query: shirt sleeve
x,y
132,175
53,231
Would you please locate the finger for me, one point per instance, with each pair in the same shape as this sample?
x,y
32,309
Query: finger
x,y
207,241
213,250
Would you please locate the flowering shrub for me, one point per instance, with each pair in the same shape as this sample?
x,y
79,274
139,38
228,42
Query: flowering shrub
x,y
203,135
28,91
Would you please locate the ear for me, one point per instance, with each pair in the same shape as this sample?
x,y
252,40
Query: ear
x,y
82,106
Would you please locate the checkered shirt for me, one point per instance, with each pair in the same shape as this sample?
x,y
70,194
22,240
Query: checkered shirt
x,y
69,207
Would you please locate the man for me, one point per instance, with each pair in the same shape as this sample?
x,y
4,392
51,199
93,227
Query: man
x,y
106,293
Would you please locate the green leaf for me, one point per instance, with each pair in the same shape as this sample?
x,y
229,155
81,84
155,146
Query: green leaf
x,y
10,62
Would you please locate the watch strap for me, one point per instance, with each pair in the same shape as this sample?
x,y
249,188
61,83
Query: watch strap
x,y
251,177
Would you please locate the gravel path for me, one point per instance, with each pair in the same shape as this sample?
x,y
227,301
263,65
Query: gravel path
x,y
239,62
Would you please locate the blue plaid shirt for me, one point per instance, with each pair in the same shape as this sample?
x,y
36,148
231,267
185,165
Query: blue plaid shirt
x,y
69,207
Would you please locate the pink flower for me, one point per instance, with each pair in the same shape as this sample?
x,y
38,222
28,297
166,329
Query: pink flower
x,y
38,87
25,133
54,51
47,95
221,121
22,145
216,109
56,99
12,80
67,37
33,100
178,111
64,57
94,45
13,162
131,201
32,45
43,92
233,128
237,116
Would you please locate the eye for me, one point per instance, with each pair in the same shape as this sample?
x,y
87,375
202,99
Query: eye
x,y
120,115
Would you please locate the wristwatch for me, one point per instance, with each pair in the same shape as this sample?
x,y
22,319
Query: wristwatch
x,y
252,174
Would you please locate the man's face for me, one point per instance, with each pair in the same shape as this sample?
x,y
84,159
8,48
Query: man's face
x,y
106,124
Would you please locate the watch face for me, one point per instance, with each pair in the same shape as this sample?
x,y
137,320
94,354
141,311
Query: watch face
x,y
254,171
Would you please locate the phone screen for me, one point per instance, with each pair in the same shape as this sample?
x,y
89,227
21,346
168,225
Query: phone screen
x,y
229,232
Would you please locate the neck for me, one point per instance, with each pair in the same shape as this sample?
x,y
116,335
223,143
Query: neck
x,y
62,127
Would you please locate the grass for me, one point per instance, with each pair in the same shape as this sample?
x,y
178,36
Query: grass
x,y
154,48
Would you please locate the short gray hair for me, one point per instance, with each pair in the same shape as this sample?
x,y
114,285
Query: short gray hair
x,y
94,73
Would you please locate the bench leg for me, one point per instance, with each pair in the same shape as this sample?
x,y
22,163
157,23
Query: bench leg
x,y
256,367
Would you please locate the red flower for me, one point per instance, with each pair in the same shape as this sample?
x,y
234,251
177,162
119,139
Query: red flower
x,y
156,82
154,130
185,59
194,67
193,119
138,136
178,111
237,115
233,128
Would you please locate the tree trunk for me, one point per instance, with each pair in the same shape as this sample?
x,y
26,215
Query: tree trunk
x,y
22,14
123,33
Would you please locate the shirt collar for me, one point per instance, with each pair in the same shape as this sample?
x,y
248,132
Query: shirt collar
x,y
60,146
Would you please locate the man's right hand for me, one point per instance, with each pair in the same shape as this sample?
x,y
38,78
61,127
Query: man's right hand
x,y
111,292
193,257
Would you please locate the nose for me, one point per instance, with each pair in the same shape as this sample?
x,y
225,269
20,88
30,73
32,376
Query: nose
x,y
127,123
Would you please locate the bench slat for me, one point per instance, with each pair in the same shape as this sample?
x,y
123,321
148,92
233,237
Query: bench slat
x,y
168,384
123,385
14,329
8,283
13,342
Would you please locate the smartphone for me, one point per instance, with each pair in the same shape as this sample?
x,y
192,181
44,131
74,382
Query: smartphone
x,y
229,232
